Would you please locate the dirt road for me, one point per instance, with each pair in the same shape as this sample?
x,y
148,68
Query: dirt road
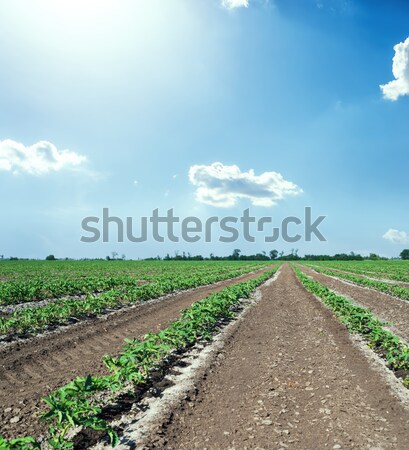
x,y
290,377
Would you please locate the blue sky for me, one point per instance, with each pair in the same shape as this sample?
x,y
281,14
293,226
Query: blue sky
x,y
111,104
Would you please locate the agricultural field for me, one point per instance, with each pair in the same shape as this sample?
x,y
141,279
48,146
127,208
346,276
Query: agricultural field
x,y
205,244
210,354
71,291
391,270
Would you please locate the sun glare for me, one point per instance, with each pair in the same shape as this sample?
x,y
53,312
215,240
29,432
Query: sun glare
x,y
77,11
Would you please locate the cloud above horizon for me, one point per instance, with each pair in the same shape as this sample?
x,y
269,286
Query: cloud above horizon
x,y
37,159
231,4
222,186
400,68
396,237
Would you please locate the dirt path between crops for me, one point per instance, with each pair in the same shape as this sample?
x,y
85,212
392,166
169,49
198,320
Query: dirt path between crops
x,y
384,306
31,369
289,377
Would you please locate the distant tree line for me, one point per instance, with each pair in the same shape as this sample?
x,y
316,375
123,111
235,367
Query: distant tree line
x,y
273,255
237,255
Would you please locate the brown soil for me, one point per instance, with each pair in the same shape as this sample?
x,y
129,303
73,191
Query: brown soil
x,y
289,377
30,369
384,306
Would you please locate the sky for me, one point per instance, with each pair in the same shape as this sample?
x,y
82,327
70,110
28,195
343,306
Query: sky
x,y
209,108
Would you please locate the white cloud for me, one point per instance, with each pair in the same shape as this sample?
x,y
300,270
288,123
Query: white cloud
x,y
231,4
397,237
400,68
222,186
37,159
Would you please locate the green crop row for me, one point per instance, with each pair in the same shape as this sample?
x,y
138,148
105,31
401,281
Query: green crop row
x,y
43,285
390,270
387,288
59,270
33,290
362,321
77,403
34,319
